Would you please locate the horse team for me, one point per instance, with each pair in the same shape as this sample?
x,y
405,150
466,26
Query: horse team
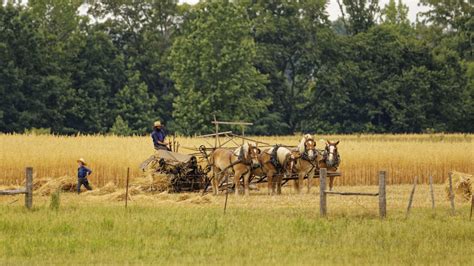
x,y
274,163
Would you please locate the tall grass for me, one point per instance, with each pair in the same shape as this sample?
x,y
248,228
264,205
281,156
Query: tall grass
x,y
253,231
403,156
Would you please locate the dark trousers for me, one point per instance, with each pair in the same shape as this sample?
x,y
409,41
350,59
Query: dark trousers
x,y
82,181
162,147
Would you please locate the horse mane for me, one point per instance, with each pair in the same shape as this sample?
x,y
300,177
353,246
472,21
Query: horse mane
x,y
301,146
242,150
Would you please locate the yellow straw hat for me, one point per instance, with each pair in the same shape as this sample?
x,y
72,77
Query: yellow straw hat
x,y
157,124
81,160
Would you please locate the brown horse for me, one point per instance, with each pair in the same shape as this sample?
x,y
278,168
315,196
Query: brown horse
x,y
240,162
275,162
306,164
330,160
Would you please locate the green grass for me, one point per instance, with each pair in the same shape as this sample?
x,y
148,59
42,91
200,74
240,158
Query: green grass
x,y
106,233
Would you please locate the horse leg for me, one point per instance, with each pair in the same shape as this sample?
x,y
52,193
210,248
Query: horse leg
x,y
279,181
246,184
300,181
215,182
270,186
272,181
331,181
310,180
296,185
237,182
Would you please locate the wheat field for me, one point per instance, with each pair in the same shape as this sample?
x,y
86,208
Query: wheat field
x,y
403,156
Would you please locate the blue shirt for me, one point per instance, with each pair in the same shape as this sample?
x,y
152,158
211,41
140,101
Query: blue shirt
x,y
83,172
158,135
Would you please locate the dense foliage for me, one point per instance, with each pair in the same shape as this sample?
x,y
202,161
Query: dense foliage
x,y
115,66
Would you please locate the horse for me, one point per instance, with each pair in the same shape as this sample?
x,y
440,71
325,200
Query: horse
x,y
275,162
330,160
240,162
306,161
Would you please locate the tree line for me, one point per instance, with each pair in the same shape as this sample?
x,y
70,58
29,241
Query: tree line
x,y
115,66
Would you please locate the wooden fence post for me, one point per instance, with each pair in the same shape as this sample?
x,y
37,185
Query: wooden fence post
x,y
451,194
217,132
410,201
472,205
432,193
29,188
382,195
126,188
322,192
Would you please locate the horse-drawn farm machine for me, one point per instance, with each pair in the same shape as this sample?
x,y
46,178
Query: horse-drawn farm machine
x,y
191,172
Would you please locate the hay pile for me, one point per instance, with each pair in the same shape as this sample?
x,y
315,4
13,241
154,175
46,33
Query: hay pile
x,y
121,195
140,187
64,184
107,189
153,182
39,182
462,186
201,199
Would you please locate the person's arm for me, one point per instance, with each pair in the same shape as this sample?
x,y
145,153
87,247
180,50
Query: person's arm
x,y
89,171
161,138
156,139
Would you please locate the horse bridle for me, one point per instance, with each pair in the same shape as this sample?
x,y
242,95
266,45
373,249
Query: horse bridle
x,y
247,161
305,155
334,153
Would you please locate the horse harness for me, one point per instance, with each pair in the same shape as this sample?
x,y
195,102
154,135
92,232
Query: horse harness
x,y
305,156
274,158
276,163
337,157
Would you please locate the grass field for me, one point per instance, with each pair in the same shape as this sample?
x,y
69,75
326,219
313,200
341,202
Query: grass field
x,y
403,156
258,230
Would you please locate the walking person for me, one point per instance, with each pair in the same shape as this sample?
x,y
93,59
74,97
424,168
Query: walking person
x,y
159,135
82,173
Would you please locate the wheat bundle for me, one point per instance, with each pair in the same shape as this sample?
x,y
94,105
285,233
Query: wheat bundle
x,y
39,182
154,182
183,197
462,186
64,184
121,195
107,189
201,199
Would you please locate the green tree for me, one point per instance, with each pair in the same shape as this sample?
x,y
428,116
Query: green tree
x,y
359,15
143,31
212,69
99,73
120,127
135,104
35,90
290,38
386,80
395,13
448,26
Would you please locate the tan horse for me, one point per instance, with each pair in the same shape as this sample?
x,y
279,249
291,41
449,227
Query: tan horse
x,y
275,162
306,164
330,160
240,162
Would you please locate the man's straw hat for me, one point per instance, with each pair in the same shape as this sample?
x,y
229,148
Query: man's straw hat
x,y
157,124
81,160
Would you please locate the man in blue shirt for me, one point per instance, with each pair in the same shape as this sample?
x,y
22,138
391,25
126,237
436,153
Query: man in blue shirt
x,y
82,173
158,135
